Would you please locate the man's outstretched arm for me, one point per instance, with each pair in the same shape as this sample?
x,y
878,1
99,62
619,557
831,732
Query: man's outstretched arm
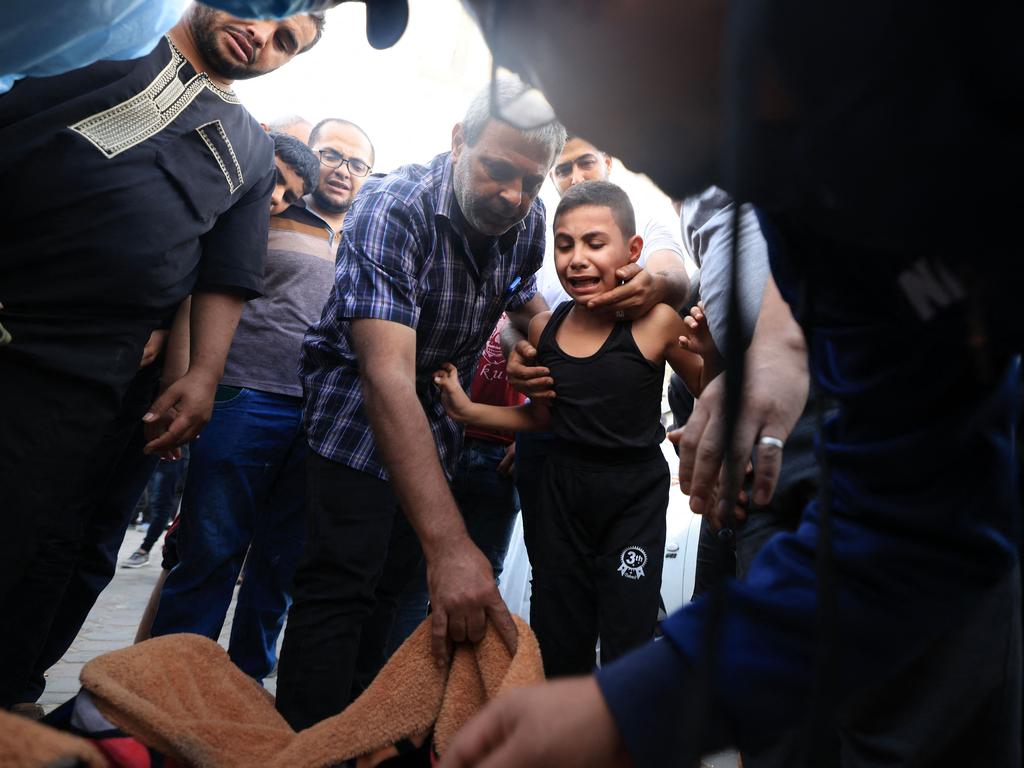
x,y
460,579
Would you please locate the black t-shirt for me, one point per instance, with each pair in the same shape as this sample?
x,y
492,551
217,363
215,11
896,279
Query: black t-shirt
x,y
126,186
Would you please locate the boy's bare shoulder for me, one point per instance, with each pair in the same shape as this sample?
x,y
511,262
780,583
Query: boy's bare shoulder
x,y
662,316
656,331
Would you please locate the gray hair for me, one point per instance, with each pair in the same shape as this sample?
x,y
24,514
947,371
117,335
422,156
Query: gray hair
x,y
282,124
550,135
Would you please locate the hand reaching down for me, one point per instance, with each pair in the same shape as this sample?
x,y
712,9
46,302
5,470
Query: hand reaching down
x,y
464,598
180,412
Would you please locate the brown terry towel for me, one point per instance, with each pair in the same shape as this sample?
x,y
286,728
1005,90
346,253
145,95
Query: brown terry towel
x,y
25,743
181,695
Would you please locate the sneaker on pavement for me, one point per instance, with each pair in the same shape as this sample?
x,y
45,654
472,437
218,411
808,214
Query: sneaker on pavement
x,y
138,558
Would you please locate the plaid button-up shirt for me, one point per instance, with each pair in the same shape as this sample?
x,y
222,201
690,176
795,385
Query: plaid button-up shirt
x,y
404,258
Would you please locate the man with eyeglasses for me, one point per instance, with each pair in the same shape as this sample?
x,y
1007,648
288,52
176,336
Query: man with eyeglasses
x,y
245,490
346,158
429,259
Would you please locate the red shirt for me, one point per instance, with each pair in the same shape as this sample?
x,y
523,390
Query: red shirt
x,y
490,385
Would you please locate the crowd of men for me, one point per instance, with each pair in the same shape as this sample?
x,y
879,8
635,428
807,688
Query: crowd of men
x,y
324,452
255,293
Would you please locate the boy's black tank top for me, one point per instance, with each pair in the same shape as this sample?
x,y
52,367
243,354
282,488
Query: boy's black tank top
x,y
611,399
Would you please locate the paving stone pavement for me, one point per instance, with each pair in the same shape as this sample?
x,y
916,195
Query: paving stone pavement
x,y
115,617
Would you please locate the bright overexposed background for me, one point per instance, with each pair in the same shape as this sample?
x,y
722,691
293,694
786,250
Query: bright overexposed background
x,y
406,98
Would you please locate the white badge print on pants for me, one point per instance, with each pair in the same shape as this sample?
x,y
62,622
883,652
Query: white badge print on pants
x,y
632,562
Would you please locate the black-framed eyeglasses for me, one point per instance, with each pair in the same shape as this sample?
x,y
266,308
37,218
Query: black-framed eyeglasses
x,y
333,159
523,107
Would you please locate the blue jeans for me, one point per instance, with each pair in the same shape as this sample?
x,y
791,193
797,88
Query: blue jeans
x,y
245,491
489,504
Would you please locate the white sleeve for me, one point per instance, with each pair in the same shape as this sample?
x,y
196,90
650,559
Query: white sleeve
x,y
658,237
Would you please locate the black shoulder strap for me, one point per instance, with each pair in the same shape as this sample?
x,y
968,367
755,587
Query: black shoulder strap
x,y
547,336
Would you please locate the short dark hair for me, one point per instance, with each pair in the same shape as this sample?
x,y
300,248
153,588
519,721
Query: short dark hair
x,y
299,157
318,23
604,194
314,135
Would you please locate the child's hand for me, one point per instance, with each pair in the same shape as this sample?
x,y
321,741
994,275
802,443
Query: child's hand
x,y
453,397
699,340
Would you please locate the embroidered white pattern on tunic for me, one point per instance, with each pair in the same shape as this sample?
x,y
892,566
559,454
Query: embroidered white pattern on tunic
x,y
144,115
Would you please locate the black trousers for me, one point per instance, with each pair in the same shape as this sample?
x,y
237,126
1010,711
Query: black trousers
x,y
61,438
360,554
97,559
596,545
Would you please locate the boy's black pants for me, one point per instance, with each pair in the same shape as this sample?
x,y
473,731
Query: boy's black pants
x,y
596,544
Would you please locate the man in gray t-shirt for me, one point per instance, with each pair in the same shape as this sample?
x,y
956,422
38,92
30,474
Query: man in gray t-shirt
x,y
244,498
707,222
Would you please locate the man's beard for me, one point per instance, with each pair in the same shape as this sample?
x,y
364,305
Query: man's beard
x,y
324,203
204,23
466,198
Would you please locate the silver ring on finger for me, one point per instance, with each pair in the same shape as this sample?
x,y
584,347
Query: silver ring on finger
x,y
772,441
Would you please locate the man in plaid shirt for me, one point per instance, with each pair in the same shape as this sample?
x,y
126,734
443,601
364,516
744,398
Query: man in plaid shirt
x,y
430,257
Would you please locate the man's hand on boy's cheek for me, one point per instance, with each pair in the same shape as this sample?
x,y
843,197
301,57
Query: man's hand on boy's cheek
x,y
634,298
523,376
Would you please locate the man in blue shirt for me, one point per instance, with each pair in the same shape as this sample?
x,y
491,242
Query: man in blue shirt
x,y
430,257
860,138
